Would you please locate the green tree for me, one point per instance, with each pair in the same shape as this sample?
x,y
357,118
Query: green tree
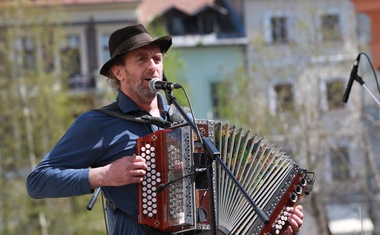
x,y
35,112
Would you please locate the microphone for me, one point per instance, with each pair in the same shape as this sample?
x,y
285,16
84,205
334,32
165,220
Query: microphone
x,y
354,73
156,85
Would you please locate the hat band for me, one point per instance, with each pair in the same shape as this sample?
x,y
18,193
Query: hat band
x,y
131,42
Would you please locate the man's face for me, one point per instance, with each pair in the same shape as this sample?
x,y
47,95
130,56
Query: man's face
x,y
140,66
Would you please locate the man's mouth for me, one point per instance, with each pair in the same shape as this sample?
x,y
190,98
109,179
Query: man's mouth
x,y
148,79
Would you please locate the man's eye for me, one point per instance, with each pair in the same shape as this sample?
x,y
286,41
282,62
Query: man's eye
x,y
158,59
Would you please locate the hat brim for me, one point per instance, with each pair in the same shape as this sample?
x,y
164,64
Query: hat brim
x,y
163,42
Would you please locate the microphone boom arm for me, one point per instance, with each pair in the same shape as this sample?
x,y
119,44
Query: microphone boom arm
x,y
361,82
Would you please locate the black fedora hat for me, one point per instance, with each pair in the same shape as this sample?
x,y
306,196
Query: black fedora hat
x,y
131,38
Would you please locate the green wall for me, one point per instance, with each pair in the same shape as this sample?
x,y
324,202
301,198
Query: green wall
x,y
204,66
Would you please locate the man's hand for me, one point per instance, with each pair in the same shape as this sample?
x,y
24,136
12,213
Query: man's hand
x,y
295,220
126,170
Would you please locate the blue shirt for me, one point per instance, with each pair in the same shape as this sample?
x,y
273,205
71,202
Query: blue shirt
x,y
95,139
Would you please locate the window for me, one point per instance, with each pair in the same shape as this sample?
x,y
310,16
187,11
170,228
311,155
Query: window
x,y
25,53
70,55
175,26
191,25
279,29
340,163
3,56
71,62
284,97
105,48
330,29
206,23
215,99
203,23
48,52
334,91
220,98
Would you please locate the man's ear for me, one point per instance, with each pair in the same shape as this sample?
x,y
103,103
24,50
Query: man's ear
x,y
116,71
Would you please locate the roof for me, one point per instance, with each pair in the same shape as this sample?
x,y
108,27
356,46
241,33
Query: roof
x,y
94,1
150,9
77,2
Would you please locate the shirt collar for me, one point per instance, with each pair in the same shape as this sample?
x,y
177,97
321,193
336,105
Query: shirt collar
x,y
126,104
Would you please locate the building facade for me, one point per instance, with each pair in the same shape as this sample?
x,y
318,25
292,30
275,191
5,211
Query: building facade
x,y
298,55
305,52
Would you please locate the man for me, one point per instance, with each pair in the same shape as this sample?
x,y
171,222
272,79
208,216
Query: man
x,y
99,150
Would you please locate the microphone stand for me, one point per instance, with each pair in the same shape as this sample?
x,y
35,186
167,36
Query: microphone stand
x,y
213,153
361,82
92,201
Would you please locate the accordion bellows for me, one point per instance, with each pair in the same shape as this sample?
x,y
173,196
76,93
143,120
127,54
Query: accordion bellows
x,y
174,195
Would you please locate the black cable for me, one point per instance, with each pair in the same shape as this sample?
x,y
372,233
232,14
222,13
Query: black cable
x,y
373,70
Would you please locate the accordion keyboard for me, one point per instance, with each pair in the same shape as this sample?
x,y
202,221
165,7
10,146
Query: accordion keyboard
x,y
166,195
149,186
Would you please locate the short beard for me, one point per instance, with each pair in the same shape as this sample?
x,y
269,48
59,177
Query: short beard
x,y
141,91
148,92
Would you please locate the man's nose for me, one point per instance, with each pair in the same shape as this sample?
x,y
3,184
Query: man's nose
x,y
152,65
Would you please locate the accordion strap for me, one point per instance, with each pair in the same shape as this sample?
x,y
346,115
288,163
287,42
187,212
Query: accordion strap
x,y
135,116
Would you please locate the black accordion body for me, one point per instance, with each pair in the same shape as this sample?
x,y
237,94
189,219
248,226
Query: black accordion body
x,y
174,196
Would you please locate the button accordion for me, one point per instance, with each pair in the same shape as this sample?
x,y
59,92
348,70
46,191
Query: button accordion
x,y
174,196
